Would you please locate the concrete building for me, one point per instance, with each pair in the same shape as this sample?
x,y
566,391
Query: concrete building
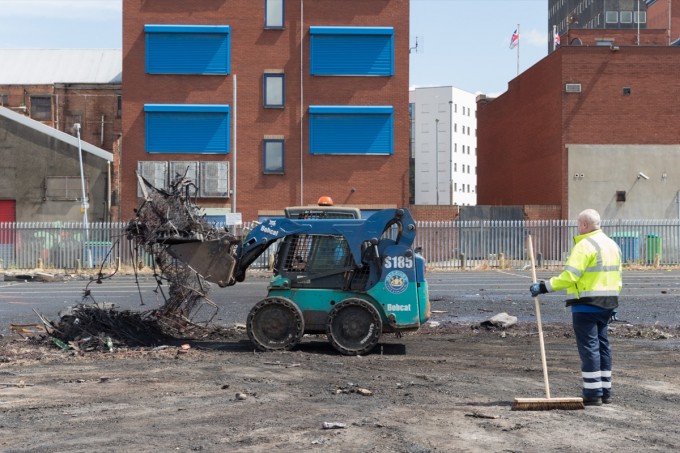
x,y
267,103
40,178
43,94
444,146
587,126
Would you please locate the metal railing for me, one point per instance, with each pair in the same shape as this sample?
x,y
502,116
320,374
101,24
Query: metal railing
x,y
446,245
474,244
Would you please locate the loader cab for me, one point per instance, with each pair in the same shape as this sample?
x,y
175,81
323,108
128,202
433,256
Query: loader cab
x,y
313,260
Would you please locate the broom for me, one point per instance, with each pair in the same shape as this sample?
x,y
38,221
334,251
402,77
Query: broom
x,y
547,403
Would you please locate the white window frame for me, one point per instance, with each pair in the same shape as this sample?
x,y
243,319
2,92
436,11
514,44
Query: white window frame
x,y
274,14
271,162
274,89
626,17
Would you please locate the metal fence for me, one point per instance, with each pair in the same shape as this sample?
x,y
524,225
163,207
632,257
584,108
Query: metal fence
x,y
446,245
474,244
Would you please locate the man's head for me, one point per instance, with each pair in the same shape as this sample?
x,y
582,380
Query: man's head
x,y
588,221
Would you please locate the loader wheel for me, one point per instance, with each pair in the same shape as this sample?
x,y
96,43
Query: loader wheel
x,y
354,327
275,324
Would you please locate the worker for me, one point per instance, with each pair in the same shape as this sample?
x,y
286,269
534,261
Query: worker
x,y
592,279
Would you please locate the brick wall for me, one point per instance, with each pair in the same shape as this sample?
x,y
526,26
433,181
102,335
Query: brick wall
x,y
95,107
358,180
522,135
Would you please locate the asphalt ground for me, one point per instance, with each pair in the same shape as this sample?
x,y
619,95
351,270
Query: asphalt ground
x,y
649,297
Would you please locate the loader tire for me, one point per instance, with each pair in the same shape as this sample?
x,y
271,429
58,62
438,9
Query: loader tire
x,y
275,324
354,327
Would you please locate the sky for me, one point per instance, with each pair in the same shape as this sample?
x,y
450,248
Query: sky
x,y
461,43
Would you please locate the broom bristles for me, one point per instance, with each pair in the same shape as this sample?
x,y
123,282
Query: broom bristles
x,y
547,404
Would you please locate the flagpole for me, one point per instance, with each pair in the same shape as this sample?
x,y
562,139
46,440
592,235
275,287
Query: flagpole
x,y
553,37
518,44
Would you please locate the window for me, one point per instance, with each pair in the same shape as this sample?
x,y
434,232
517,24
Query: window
x,y
156,173
4,99
273,155
642,18
611,17
188,170
64,188
273,90
178,128
626,17
273,14
214,179
119,107
41,108
358,51
356,130
211,178
187,49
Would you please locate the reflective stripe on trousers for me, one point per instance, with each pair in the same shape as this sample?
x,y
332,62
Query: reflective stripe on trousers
x,y
595,353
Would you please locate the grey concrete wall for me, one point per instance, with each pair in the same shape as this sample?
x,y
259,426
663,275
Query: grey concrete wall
x,y
597,172
27,157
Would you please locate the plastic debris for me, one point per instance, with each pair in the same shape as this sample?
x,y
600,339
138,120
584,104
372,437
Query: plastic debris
x,y
333,425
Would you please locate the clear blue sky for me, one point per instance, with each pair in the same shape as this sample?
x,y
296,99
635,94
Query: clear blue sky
x,y
463,43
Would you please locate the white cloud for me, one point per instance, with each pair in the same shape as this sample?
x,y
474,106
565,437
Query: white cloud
x,y
535,38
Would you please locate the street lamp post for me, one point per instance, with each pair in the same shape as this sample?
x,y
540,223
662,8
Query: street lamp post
x,y
84,202
436,158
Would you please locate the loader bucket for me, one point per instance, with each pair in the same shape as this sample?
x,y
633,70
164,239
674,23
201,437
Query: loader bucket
x,y
211,259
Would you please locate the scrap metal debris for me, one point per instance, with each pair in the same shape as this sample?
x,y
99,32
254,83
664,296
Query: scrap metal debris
x,y
165,216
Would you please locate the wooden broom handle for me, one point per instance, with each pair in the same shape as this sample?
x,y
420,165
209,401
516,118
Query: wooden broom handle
x,y
530,246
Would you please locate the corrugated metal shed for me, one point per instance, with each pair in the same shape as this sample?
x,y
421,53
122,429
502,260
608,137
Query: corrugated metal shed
x,y
48,66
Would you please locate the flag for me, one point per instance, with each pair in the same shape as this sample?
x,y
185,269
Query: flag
x,y
649,2
514,41
556,40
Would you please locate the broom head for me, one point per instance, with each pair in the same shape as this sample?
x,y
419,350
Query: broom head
x,y
547,404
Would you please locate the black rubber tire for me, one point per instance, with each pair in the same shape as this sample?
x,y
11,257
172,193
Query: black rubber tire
x,y
354,327
275,324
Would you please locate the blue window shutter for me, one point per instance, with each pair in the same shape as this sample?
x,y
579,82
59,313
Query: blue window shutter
x,y
187,49
187,128
355,130
352,51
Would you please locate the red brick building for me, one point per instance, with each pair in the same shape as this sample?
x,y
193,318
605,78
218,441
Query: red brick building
x,y
579,128
267,103
46,92
665,15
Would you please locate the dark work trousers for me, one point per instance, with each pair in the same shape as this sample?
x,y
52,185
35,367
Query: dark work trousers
x,y
595,353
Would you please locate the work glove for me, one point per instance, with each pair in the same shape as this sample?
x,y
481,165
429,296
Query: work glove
x,y
538,288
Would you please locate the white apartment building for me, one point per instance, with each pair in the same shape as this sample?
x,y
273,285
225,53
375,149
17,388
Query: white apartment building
x,y
444,145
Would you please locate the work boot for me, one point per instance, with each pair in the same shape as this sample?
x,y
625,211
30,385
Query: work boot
x,y
606,399
592,401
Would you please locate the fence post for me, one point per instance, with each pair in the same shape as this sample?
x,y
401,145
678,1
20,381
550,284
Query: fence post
x,y
501,260
462,260
539,259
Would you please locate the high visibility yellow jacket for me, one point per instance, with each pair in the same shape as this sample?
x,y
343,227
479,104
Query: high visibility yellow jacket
x,y
592,273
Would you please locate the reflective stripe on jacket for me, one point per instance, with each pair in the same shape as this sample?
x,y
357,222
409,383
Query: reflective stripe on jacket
x,y
592,273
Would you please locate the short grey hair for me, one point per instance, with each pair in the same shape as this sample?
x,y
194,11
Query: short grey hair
x,y
591,217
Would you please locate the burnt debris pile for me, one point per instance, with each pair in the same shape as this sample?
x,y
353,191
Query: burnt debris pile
x,y
165,217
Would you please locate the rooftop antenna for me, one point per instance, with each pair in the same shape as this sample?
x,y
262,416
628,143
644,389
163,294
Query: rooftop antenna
x,y
415,47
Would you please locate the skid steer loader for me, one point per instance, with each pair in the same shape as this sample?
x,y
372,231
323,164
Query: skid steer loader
x,y
350,278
